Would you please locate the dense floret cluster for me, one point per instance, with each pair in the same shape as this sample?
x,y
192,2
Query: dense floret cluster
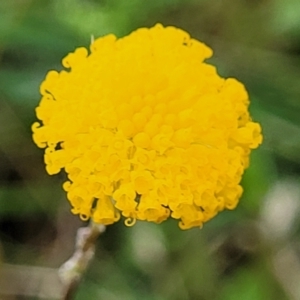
x,y
145,129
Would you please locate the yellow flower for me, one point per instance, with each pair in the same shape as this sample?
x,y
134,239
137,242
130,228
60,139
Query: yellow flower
x,y
146,130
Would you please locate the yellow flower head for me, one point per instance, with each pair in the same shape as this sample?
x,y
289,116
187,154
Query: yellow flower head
x,y
145,129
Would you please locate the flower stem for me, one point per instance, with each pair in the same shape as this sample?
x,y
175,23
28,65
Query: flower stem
x,y
74,268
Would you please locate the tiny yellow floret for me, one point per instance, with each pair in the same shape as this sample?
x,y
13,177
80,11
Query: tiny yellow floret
x,y
145,129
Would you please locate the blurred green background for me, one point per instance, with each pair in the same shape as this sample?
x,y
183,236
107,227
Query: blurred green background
x,y
245,254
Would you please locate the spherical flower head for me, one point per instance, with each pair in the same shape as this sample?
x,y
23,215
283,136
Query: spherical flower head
x,y
145,129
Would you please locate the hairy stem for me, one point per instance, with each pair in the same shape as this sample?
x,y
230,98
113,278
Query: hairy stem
x,y
74,268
